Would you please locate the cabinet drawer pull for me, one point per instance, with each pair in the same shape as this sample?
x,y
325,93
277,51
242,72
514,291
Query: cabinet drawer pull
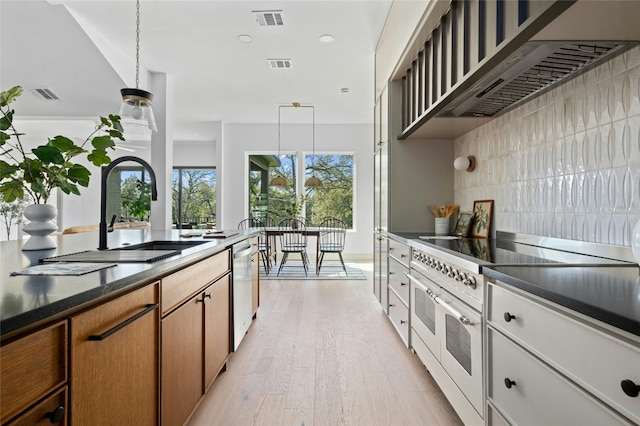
x,y
508,317
508,383
204,298
403,322
56,415
149,308
630,388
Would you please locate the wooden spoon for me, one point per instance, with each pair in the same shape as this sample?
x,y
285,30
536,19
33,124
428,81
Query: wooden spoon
x,y
443,211
434,210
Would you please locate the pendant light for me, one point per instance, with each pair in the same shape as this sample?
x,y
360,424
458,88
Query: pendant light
x,y
278,180
313,181
136,103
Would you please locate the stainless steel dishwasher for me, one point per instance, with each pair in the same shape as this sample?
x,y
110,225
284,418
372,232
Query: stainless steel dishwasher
x,y
242,280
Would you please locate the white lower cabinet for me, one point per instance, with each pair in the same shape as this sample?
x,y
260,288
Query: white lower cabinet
x,y
399,316
547,366
530,393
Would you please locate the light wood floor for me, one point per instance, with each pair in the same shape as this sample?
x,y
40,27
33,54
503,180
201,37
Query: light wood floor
x,y
323,353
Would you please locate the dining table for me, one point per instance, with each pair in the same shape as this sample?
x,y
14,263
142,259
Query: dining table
x,y
272,232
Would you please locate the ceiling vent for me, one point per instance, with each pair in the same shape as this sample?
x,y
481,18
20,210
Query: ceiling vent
x,y
45,94
536,67
269,18
280,64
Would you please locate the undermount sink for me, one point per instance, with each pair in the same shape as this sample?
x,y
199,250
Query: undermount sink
x,y
151,251
162,245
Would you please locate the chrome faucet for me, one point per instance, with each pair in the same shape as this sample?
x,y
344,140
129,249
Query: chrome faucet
x,y
102,245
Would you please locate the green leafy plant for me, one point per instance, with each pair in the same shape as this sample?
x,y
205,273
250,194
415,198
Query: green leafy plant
x,y
38,172
295,208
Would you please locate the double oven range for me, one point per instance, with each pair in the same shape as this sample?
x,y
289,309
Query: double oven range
x,y
447,299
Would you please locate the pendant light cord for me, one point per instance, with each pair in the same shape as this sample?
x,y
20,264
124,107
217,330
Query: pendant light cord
x,y
137,43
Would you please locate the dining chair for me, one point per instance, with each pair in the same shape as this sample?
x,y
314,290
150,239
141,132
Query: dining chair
x,y
332,237
293,239
262,240
268,244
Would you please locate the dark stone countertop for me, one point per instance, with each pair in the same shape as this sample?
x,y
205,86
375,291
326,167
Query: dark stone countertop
x,y
27,301
610,294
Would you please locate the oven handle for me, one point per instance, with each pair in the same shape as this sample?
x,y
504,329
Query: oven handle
x,y
464,320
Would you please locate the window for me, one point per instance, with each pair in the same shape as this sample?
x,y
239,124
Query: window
x,y
194,198
334,198
273,201
129,194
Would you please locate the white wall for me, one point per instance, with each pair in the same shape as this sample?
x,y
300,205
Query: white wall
x,y
240,139
567,163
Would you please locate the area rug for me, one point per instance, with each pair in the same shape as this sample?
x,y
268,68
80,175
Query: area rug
x,y
331,270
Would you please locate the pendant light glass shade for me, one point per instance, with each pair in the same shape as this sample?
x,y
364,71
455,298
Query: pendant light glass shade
x,y
136,106
136,103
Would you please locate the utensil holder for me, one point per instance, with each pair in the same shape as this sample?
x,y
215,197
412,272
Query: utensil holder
x,y
442,225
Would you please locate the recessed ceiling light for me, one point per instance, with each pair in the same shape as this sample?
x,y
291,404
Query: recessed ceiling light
x,y
345,90
245,38
326,38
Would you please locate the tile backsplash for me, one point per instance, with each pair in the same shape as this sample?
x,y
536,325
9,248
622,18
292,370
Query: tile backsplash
x,y
565,164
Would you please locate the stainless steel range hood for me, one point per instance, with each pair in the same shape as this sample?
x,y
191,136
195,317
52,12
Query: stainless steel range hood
x,y
532,69
583,35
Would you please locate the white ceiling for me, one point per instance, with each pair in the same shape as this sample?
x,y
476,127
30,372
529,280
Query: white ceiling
x,y
84,51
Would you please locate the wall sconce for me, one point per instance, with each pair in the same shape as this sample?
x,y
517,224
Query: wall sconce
x,y
467,163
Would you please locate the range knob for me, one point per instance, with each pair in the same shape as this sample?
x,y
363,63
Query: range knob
x,y
470,281
459,276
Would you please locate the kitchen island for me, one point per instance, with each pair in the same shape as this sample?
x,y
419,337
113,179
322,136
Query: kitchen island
x,y
100,347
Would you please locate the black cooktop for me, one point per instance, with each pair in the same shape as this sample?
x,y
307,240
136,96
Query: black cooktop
x,y
502,252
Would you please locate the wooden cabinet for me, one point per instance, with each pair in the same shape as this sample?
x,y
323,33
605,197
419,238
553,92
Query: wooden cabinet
x,y
196,336
33,373
217,328
546,348
115,364
182,361
52,410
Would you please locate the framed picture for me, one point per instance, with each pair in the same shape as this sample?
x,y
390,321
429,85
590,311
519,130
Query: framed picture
x,y
482,212
464,224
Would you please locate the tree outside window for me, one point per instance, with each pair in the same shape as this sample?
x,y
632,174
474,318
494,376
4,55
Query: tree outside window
x,y
334,198
194,198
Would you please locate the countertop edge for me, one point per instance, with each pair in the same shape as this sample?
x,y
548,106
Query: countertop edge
x,y
34,318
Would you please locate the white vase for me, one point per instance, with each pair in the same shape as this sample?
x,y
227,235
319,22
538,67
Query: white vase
x,y
40,226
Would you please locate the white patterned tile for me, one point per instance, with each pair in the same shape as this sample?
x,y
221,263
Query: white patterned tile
x,y
604,229
618,230
633,79
590,105
567,164
591,149
606,147
603,196
591,190
581,193
579,107
603,112
617,96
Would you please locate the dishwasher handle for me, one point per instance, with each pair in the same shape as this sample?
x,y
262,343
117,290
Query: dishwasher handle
x,y
242,253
